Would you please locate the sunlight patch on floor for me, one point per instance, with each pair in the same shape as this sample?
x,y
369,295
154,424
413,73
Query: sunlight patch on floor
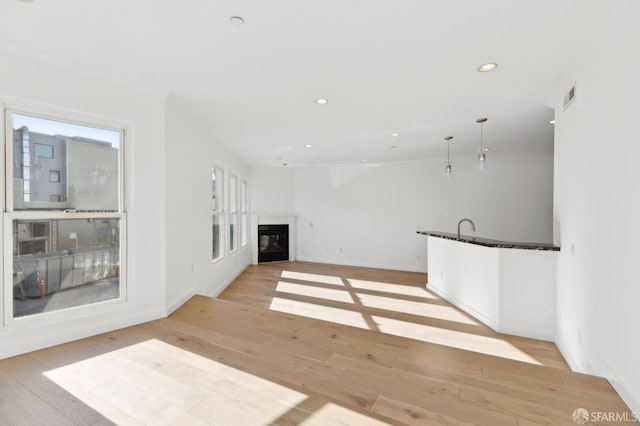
x,y
454,339
325,313
153,382
324,279
311,291
426,310
442,336
406,290
332,414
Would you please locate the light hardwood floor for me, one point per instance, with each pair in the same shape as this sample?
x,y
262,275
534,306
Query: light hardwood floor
x,y
302,343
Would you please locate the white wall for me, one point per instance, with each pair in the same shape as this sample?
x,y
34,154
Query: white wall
x,y
368,214
272,190
468,276
23,79
190,155
597,210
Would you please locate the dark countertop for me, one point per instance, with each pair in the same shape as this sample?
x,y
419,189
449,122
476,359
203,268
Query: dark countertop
x,y
491,243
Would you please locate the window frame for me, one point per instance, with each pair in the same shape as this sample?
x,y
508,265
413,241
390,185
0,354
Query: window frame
x,y
233,213
10,214
220,212
244,215
35,150
55,172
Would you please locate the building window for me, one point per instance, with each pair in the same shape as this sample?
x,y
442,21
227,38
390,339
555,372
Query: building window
x,y
67,245
244,225
43,151
54,176
217,212
233,213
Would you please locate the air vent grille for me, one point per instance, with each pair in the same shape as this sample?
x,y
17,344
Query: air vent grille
x,y
569,97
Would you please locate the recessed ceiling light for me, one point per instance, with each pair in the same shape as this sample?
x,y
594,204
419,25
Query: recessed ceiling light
x,y
395,134
487,67
308,145
322,101
552,122
284,164
393,146
236,20
364,160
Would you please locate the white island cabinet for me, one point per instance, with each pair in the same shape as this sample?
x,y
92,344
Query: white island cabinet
x,y
508,286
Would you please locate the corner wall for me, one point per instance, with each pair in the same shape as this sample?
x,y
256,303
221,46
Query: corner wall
x,y
368,214
191,154
26,80
597,210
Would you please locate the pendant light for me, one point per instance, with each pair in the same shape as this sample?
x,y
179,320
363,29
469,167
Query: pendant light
x,y
482,154
447,166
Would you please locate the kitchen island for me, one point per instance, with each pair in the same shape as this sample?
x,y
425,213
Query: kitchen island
x,y
509,286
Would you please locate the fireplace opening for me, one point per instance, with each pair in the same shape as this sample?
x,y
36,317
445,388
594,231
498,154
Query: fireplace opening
x,y
273,243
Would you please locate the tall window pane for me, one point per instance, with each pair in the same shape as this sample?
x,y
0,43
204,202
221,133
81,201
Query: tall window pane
x,y
244,227
217,210
217,236
233,213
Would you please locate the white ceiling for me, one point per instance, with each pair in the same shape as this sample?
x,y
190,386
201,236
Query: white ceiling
x,y
406,66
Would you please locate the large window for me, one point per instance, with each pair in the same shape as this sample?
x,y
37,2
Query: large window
x,y
64,215
244,225
233,213
217,212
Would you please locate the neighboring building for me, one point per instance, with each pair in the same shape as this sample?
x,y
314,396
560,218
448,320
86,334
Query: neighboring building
x,y
62,172
56,172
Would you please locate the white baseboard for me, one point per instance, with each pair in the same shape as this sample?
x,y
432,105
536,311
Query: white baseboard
x,y
362,264
180,301
505,329
531,334
37,341
629,397
565,354
626,393
477,315
219,291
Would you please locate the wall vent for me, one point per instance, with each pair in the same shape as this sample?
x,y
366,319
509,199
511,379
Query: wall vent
x,y
569,97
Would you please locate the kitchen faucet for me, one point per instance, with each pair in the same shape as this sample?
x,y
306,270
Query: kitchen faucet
x,y
473,227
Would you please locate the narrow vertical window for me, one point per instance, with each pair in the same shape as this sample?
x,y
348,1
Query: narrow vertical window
x,y
217,212
244,225
233,213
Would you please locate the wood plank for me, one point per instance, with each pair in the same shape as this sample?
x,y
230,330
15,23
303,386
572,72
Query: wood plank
x,y
414,360
20,406
30,373
413,414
